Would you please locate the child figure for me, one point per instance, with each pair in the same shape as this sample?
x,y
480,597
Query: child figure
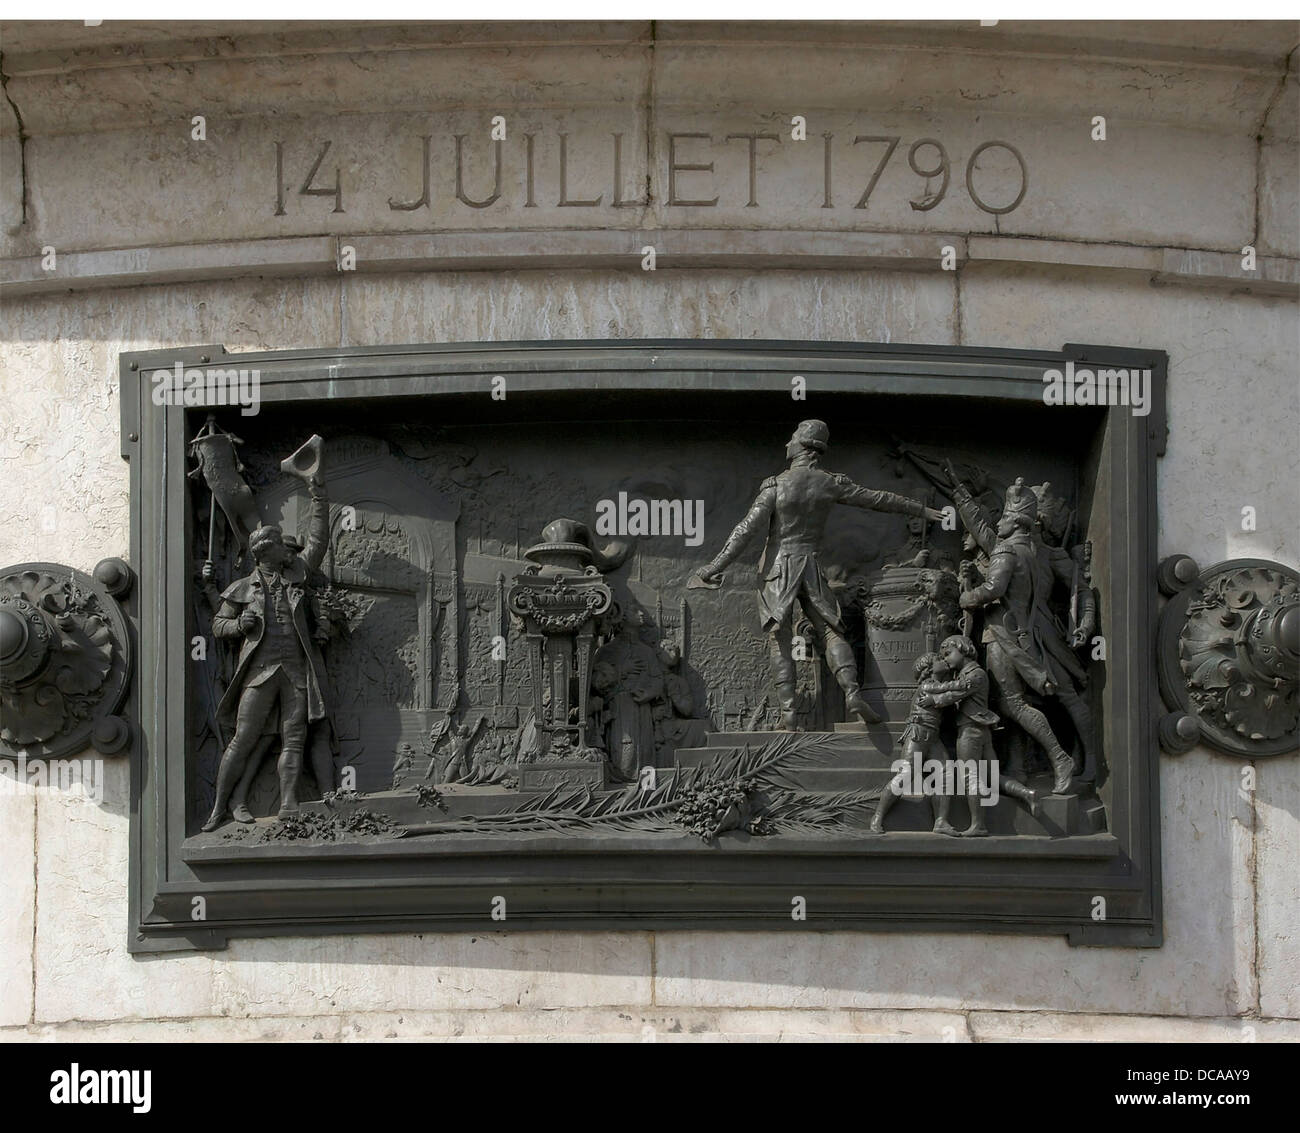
x,y
969,691
920,736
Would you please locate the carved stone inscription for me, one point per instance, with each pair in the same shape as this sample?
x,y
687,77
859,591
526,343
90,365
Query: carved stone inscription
x,y
574,166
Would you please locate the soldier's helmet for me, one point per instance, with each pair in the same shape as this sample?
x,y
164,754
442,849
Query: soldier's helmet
x,y
1021,503
813,434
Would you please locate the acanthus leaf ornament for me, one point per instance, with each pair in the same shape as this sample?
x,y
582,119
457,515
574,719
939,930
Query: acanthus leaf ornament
x,y
1229,656
65,659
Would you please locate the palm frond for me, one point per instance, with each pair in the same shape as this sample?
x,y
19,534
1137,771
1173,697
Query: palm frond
x,y
573,809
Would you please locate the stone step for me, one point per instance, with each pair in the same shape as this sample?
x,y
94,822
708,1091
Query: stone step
x,y
848,752
834,778
881,738
1059,815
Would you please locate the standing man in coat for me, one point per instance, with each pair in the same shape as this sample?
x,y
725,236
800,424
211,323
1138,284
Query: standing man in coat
x,y
792,510
280,665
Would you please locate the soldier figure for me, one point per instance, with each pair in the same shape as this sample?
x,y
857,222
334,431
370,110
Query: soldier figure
x,y
279,660
792,509
1025,648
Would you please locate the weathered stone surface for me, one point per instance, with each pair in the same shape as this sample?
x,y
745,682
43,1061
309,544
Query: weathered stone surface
x,y
1213,76
607,1024
17,898
653,1025
639,1024
889,306
1231,360
1279,199
65,485
324,975
1277,849
11,173
92,117
84,971
227,187
1050,1026
196,1030
1279,157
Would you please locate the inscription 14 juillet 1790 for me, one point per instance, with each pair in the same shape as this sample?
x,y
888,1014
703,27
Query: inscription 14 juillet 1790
x,y
846,168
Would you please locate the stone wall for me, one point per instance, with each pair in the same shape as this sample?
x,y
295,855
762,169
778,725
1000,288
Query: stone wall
x,y
1133,241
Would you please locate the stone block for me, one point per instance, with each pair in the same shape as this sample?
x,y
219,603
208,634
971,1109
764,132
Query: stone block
x,y
1277,849
17,897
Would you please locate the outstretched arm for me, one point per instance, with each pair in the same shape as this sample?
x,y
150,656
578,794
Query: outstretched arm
x,y
874,499
757,519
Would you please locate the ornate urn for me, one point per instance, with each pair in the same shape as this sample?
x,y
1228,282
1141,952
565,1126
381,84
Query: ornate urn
x,y
907,611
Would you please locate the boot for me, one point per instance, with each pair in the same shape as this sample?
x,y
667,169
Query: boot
x,y
855,704
1063,766
215,819
1017,790
839,657
785,695
290,767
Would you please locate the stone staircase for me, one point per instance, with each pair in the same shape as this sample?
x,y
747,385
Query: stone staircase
x,y
862,761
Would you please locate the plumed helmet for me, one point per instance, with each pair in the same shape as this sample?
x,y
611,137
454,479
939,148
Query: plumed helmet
x,y
1021,503
813,434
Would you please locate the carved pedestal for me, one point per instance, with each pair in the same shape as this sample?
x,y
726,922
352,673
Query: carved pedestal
x,y
908,611
558,604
